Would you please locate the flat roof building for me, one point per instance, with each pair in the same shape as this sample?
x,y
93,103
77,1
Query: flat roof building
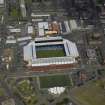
x,y
56,90
30,30
2,3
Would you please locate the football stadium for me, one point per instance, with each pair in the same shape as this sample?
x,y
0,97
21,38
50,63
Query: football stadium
x,y
50,53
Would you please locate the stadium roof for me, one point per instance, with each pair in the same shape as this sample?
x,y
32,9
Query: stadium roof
x,y
70,49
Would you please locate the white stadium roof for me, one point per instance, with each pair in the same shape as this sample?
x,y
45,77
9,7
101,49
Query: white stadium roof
x,y
69,47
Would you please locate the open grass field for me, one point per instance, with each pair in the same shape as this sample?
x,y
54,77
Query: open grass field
x,y
25,87
50,53
54,81
2,92
90,94
27,92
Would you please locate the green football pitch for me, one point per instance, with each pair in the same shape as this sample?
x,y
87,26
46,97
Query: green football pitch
x,y
50,53
54,81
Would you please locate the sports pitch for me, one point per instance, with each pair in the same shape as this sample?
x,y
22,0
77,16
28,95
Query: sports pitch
x,y
50,51
54,81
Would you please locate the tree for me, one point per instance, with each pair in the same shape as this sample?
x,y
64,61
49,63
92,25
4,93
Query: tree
x,y
15,13
99,1
28,1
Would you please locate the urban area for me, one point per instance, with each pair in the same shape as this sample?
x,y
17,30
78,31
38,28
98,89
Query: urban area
x,y
52,52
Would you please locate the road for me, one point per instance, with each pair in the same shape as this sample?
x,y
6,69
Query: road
x,y
21,74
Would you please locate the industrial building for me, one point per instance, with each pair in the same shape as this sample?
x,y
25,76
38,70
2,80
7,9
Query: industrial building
x,y
45,28
49,53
